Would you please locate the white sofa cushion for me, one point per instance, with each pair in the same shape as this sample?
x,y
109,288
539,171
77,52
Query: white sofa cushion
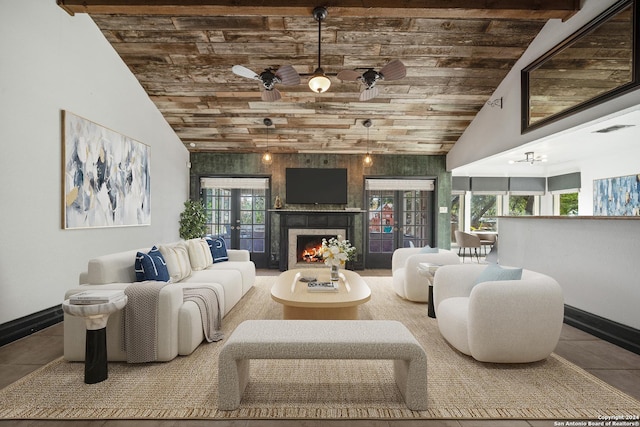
x,y
230,280
199,254
177,258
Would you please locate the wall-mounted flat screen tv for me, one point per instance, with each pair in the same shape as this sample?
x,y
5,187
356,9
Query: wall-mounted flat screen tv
x,y
316,185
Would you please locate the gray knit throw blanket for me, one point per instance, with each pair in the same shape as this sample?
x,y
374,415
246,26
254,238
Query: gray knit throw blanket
x,y
140,321
140,318
208,302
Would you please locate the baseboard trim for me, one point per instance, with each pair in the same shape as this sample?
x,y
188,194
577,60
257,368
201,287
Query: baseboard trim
x,y
608,330
25,326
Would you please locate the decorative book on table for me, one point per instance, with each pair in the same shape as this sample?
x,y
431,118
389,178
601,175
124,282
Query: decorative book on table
x,y
96,297
322,286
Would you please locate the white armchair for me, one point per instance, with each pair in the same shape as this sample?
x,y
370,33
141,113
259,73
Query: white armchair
x,y
508,321
407,281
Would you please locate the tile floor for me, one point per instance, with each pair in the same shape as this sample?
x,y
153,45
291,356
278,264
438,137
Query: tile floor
x,y
616,366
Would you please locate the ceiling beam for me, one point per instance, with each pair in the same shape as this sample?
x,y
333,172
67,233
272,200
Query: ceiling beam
x,y
450,9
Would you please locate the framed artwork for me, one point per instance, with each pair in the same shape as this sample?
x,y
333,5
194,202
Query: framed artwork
x,y
619,196
106,180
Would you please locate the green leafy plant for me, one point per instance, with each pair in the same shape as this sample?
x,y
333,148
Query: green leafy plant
x,y
192,220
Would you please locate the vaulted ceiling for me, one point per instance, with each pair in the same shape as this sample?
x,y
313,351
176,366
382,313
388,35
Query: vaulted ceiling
x,y
182,53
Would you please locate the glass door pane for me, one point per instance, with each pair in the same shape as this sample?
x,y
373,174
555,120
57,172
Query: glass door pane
x,y
240,217
252,221
397,219
217,206
416,227
381,220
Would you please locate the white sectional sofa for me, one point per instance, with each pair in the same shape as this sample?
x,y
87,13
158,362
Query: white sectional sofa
x,y
179,323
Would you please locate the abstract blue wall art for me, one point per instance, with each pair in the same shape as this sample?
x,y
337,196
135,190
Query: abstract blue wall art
x,y
106,176
619,196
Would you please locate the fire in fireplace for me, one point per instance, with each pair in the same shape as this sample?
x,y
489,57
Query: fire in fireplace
x,y
308,247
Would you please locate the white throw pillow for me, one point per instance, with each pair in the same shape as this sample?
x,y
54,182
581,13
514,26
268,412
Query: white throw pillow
x,y
177,259
199,254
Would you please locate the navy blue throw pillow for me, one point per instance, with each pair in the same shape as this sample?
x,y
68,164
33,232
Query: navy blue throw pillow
x,y
218,249
151,266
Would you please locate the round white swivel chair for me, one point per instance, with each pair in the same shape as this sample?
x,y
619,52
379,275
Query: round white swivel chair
x,y
508,321
407,281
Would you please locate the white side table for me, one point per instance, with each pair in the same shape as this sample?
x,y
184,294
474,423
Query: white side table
x,y
428,270
95,316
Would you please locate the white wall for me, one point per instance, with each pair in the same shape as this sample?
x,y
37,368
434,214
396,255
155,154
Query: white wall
x,y
611,163
497,130
594,260
51,62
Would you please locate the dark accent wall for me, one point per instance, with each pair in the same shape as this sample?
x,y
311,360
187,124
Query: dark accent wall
x,y
392,166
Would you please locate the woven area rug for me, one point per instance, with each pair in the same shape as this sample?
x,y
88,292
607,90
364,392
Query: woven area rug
x,y
459,387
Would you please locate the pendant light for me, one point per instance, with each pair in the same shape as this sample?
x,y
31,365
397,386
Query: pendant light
x,y
267,158
367,161
319,82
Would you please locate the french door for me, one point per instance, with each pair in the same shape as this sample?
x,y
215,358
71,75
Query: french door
x,y
236,210
400,214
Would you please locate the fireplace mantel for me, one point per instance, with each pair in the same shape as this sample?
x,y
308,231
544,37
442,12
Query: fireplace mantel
x,y
314,219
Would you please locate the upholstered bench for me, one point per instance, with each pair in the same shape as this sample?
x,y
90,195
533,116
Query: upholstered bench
x,y
322,339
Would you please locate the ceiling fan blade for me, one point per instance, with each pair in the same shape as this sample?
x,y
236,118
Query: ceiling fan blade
x,y
271,95
394,70
368,94
288,75
244,72
350,75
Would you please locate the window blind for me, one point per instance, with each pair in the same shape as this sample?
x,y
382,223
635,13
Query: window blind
x,y
232,182
564,183
400,184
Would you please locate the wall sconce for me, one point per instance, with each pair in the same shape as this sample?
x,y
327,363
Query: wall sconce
x,y
267,158
367,161
495,103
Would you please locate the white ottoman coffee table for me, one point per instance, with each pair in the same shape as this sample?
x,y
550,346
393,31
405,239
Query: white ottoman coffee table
x,y
322,339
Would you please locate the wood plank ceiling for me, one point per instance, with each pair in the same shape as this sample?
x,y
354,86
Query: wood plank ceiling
x,y
182,53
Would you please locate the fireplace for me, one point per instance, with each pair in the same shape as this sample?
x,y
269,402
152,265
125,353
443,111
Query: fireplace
x,y
309,248
314,224
304,245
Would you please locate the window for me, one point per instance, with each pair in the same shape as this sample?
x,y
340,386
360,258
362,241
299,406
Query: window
x,y
565,204
485,209
523,205
457,213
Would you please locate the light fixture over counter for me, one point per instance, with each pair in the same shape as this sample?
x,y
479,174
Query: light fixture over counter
x,y
267,158
367,161
319,82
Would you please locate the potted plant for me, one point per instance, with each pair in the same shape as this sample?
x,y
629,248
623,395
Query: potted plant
x,y
192,220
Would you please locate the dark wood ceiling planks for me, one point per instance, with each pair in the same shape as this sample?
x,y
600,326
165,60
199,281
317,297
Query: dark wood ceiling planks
x,y
182,53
